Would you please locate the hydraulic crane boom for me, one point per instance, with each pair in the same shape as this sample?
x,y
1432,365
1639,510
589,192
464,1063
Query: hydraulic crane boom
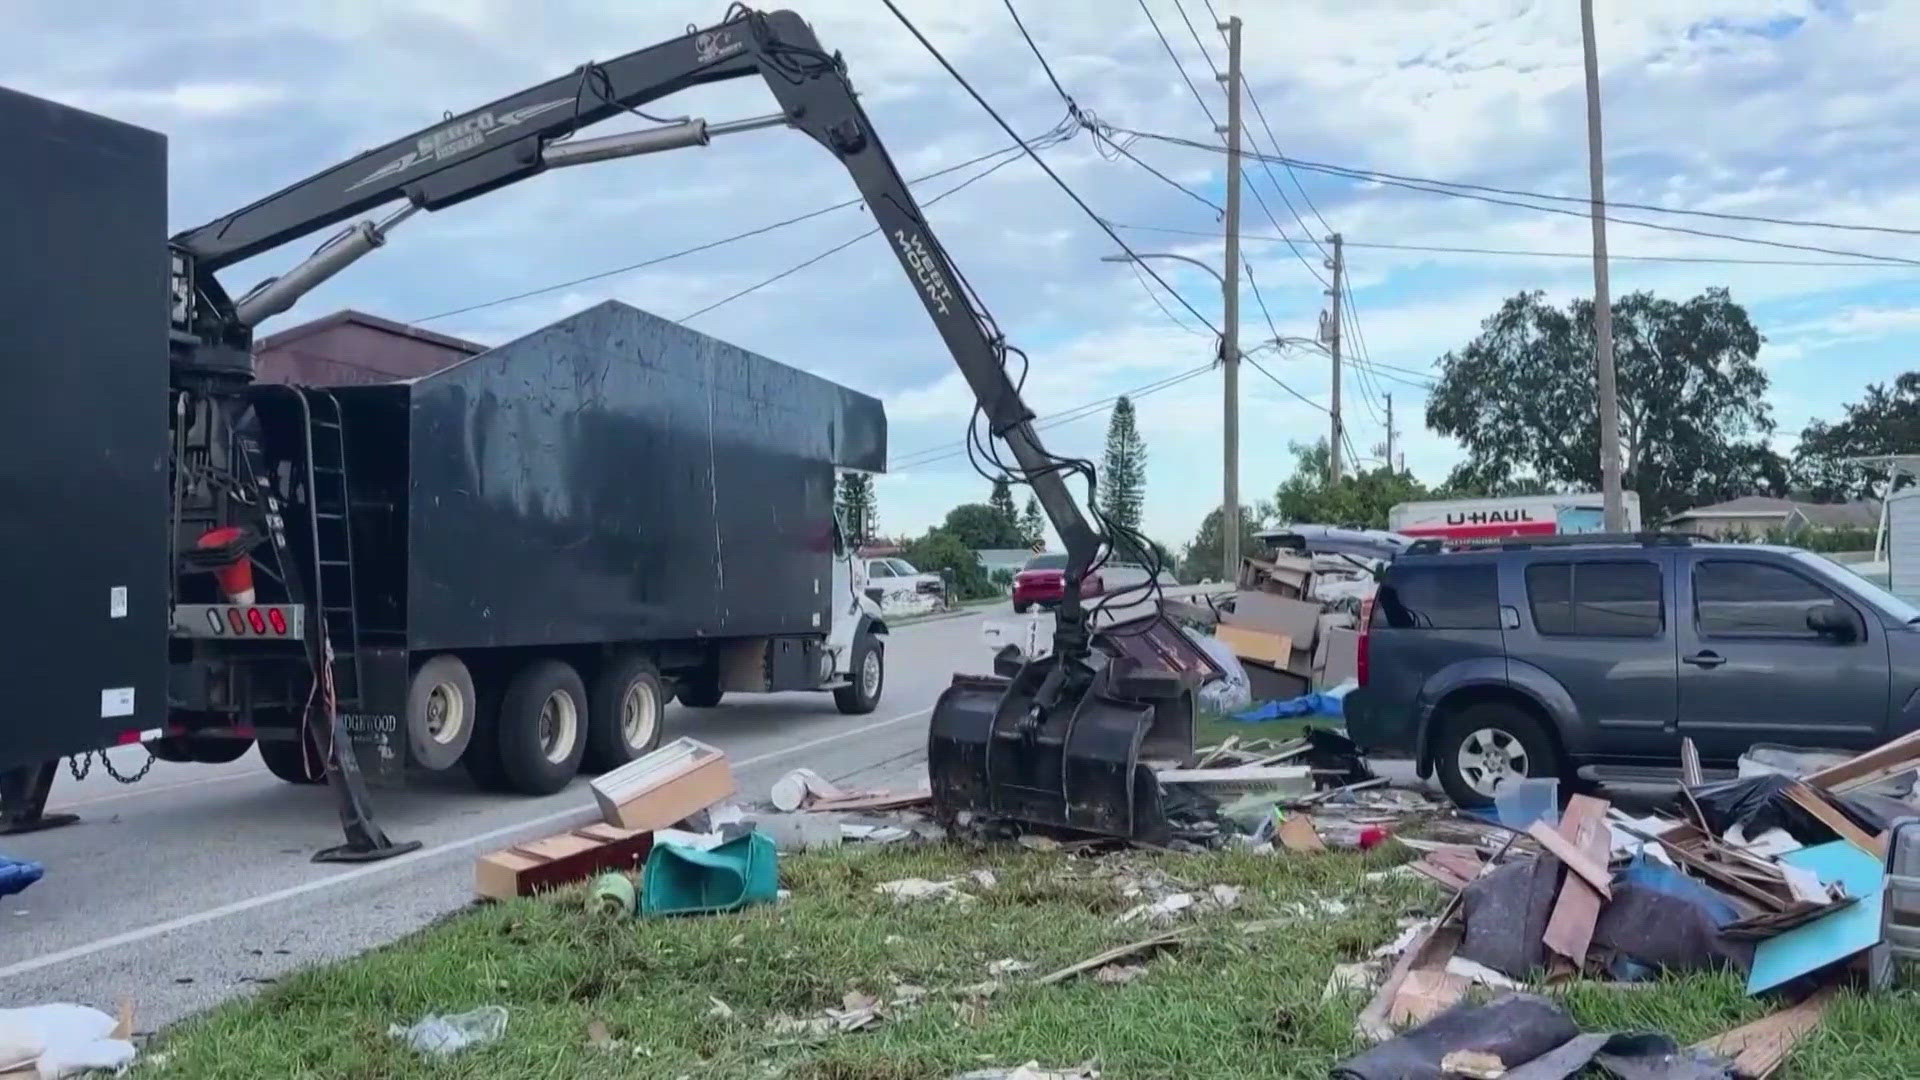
x,y
526,133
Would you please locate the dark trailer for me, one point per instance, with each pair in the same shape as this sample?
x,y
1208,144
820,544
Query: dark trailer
x,y
545,542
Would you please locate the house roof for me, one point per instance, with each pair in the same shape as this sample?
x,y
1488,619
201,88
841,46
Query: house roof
x,y
327,322
1861,512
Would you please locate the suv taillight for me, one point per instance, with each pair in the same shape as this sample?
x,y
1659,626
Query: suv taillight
x,y
1366,636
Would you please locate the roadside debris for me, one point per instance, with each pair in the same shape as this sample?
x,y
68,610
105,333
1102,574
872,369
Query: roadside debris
x,y
561,859
665,787
444,1036
1032,1071
1100,961
59,1040
17,874
922,889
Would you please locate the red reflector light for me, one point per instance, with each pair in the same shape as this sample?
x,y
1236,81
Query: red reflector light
x,y
236,620
257,620
279,620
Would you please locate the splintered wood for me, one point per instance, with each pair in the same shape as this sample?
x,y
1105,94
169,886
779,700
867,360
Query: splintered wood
x,y
1570,928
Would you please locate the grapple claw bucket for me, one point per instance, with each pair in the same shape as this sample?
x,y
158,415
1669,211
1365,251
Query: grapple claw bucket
x,y
992,750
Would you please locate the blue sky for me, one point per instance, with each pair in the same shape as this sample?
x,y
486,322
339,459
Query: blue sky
x,y
1787,108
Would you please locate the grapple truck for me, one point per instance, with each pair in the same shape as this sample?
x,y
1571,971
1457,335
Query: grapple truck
x,y
511,564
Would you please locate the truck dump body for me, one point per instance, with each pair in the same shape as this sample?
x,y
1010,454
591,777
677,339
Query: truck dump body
x,y
84,469
613,476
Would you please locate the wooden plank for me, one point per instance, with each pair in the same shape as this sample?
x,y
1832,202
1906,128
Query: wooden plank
x,y
1758,1049
1867,767
1814,803
525,869
1683,854
1577,861
1570,927
1118,953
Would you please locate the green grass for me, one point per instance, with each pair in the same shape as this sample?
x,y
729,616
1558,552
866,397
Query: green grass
x,y
1228,1004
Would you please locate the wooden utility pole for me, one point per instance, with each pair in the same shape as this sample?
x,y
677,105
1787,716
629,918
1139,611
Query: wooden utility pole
x,y
1390,465
1330,334
1230,315
1615,507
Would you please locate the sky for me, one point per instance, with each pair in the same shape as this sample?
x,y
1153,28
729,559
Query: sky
x,y
1797,109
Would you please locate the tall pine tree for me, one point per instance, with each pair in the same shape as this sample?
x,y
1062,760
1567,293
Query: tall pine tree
x,y
1123,483
857,506
1002,502
1033,527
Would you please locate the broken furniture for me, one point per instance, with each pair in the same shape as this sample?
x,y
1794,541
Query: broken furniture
x,y
669,785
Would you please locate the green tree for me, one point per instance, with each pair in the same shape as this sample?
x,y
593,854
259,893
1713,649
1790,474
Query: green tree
x,y
1360,500
1200,559
1001,500
1033,526
979,525
1693,412
941,552
1123,482
857,507
1886,421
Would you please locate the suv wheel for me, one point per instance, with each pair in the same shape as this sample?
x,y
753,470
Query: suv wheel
x,y
1483,746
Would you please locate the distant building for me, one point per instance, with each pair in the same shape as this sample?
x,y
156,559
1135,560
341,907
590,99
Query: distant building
x,y
352,347
1753,516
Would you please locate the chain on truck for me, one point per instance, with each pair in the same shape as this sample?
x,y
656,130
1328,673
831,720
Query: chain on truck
x,y
315,552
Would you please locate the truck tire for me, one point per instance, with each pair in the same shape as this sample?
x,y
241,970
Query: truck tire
x,y
542,727
293,760
1021,607
441,710
1484,745
868,675
216,751
627,712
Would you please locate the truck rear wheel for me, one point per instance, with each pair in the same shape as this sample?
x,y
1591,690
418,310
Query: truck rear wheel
x,y
215,751
293,760
868,675
441,709
542,727
700,690
627,714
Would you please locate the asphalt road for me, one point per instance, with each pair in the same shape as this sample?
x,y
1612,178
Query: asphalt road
x,y
195,884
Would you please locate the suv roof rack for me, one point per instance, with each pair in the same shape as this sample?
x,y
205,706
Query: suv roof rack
x,y
1434,545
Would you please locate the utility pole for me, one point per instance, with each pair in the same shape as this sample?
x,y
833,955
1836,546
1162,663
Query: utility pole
x,y
1230,316
1615,508
1330,335
1389,431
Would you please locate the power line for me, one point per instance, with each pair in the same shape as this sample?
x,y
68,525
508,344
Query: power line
x,y
1064,416
1037,160
845,244
1044,66
1257,366
1527,253
1155,297
1182,68
697,248
1272,140
1461,192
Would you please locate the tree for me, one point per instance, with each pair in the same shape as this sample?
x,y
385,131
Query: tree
x,y
857,507
941,552
1123,483
1201,558
979,525
1360,500
1033,526
1693,412
1884,422
1002,502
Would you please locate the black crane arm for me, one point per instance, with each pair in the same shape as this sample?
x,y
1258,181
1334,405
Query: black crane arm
x,y
526,133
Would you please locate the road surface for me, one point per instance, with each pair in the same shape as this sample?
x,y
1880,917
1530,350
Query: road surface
x,y
194,885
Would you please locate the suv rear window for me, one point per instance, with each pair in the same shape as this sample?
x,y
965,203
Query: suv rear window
x,y
1438,597
1056,561
1596,599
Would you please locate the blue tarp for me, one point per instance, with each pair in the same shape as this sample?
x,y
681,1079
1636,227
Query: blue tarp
x,y
16,875
1326,703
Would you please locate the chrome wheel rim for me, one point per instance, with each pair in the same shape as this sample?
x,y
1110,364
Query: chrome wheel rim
x,y
639,715
446,713
559,726
870,674
1489,758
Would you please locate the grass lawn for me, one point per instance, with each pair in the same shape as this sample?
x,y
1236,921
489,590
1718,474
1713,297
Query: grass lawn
x,y
1227,1004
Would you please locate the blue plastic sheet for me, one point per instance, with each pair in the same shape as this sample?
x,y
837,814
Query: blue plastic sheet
x,y
17,874
1326,703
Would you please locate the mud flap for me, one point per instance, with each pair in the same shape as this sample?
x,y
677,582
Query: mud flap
x,y
992,752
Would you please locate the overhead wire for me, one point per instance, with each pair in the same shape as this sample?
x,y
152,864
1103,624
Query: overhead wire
x,y
1442,249
1261,368
1272,140
1440,187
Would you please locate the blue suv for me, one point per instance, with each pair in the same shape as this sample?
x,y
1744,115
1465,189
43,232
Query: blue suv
x,y
1540,658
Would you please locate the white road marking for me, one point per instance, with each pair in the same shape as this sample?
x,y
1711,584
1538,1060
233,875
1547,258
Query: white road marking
x,y
153,930
158,788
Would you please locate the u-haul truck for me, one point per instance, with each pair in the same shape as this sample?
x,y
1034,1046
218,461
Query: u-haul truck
x,y
1495,519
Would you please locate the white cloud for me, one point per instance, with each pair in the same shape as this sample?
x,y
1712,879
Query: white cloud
x,y
1787,108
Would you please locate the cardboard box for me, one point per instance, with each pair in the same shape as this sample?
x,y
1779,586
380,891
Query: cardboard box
x,y
1342,657
667,786
1332,620
553,861
1282,575
1267,648
1300,662
1297,619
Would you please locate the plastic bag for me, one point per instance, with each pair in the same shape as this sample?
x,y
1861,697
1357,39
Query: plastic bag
x,y
1759,803
444,1036
1231,694
62,1040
